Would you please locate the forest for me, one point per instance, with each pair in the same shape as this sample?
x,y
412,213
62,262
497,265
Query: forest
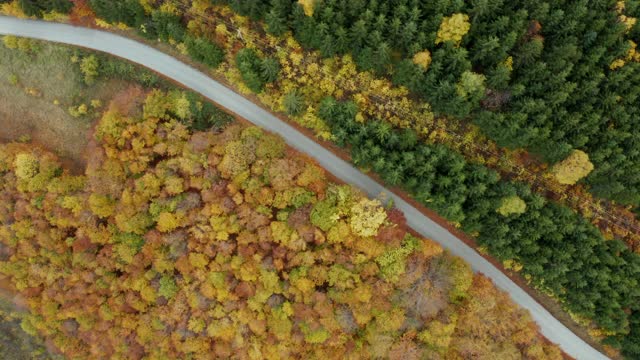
x,y
549,76
556,250
178,243
554,78
191,27
178,22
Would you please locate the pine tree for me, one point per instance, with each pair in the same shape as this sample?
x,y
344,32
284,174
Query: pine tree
x,y
276,24
294,103
270,69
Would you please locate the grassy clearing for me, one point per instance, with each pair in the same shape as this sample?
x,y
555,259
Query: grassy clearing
x,y
38,87
48,99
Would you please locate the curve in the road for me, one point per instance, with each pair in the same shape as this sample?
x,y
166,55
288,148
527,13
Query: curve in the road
x,y
172,68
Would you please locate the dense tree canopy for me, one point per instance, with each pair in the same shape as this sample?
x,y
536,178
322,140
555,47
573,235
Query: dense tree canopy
x,y
558,250
555,77
197,245
550,62
40,7
477,85
256,71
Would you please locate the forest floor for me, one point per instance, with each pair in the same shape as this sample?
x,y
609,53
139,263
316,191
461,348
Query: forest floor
x,y
37,89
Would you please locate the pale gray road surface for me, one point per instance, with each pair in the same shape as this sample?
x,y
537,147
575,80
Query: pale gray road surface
x,y
195,80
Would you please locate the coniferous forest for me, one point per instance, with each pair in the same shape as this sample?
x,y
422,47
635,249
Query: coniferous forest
x,y
549,76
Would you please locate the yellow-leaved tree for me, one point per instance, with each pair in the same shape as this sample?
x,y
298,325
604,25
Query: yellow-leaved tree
x,y
512,205
575,167
422,59
367,216
26,166
307,5
453,28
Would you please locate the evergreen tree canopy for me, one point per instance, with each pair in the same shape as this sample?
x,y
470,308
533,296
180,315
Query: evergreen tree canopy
x,y
552,60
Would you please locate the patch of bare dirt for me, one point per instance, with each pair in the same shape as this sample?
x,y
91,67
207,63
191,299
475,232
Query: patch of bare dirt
x,y
50,125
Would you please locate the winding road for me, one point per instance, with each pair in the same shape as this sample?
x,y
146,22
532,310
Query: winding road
x,y
172,68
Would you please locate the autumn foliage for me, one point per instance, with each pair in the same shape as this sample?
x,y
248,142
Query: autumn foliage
x,y
230,245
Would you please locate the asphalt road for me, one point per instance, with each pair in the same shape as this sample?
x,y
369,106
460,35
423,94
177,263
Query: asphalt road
x,y
218,93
